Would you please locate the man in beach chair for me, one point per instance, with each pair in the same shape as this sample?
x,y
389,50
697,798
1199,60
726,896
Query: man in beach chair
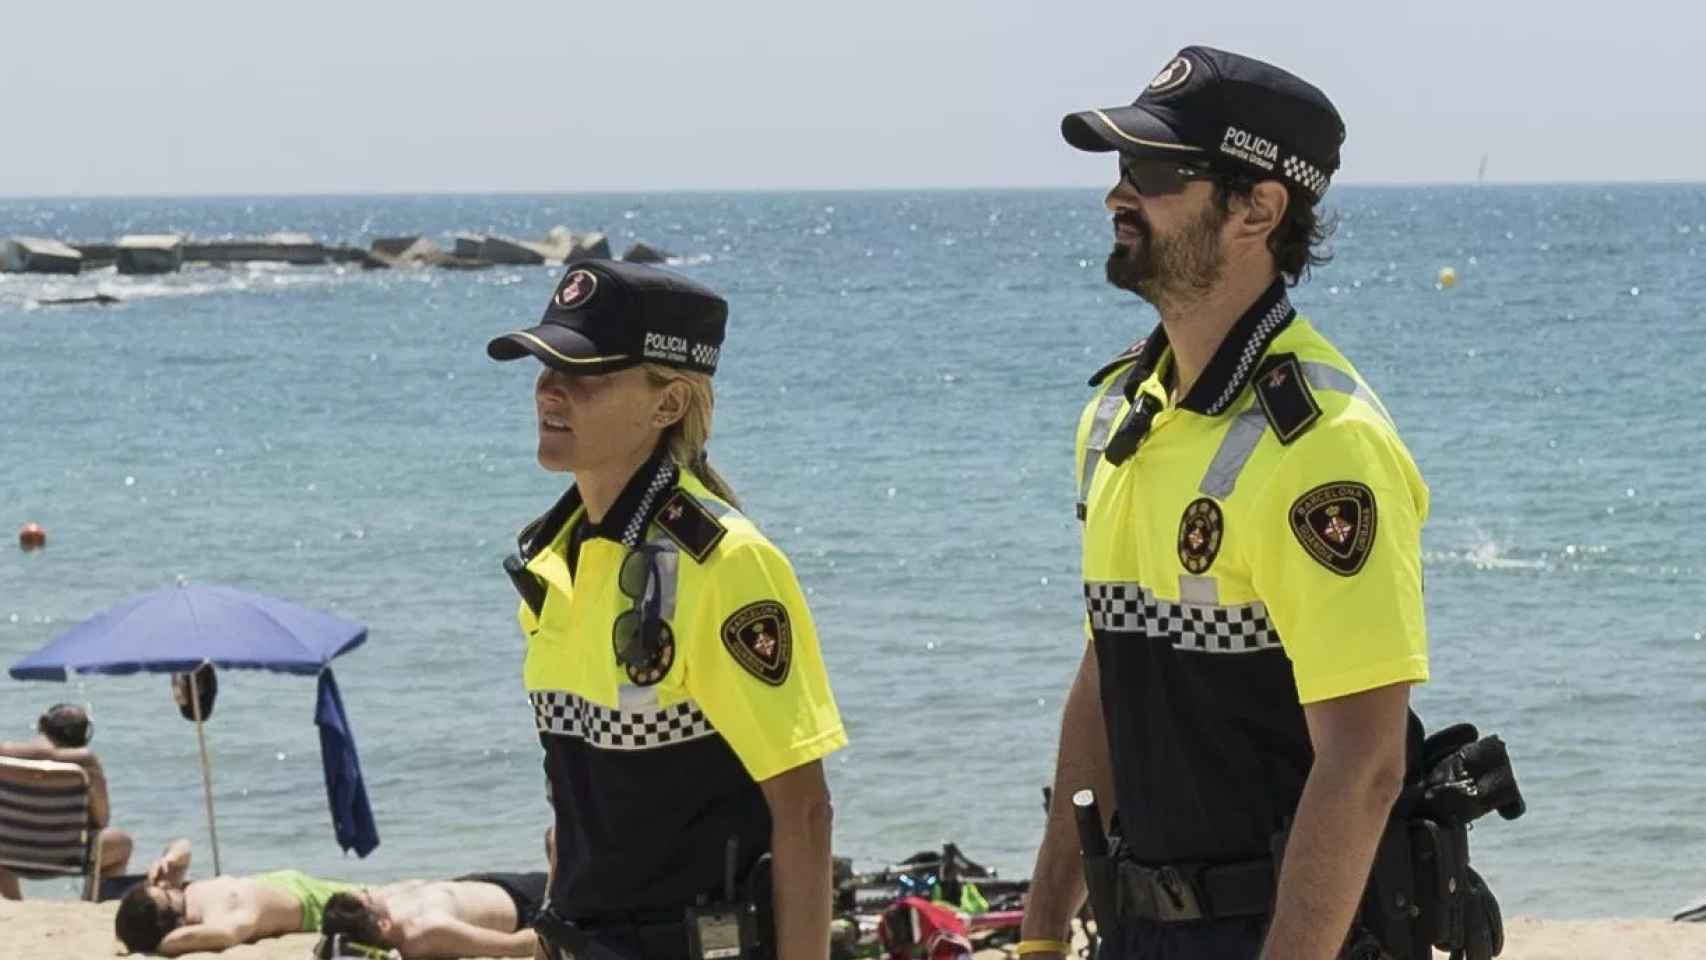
x,y
478,915
62,735
169,914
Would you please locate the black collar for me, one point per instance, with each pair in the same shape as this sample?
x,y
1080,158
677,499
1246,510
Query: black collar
x,y
1235,360
626,520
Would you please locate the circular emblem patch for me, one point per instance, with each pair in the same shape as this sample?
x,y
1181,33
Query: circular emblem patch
x,y
577,288
1335,524
657,667
1172,76
761,640
1199,535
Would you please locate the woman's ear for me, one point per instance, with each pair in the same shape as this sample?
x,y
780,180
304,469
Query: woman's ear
x,y
671,405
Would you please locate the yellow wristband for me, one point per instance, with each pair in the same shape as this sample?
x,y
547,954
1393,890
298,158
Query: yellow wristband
x,y
1044,946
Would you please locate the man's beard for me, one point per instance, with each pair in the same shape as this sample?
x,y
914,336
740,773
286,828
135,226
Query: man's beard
x,y
1184,266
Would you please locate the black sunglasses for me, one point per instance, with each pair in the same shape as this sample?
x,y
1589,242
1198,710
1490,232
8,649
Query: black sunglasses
x,y
643,642
1159,178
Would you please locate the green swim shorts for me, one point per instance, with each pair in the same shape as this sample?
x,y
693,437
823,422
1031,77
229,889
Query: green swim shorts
x,y
311,892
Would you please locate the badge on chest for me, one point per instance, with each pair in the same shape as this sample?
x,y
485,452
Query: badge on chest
x,y
1200,531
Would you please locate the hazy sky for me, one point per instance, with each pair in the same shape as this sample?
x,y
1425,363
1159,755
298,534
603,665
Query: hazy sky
x,y
314,97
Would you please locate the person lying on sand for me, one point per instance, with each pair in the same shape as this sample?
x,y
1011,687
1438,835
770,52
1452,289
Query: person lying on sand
x,y
169,914
479,915
484,915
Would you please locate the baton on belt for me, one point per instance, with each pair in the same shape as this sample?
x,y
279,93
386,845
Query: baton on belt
x,y
1101,875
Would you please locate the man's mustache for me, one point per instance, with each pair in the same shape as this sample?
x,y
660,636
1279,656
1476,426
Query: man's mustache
x,y
1133,221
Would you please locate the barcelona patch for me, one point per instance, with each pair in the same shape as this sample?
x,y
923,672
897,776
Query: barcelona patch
x,y
1335,523
761,640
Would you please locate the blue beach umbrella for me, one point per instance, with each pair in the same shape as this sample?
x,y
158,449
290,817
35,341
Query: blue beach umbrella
x,y
177,629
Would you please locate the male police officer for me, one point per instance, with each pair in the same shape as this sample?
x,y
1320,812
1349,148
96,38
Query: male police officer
x,y
1252,566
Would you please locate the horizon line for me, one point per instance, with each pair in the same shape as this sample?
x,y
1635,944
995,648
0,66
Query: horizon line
x,y
771,191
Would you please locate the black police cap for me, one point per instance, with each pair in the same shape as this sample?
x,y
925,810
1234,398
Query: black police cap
x,y
1229,112
606,315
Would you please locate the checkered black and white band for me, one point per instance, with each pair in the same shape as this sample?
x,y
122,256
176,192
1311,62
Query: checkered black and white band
x,y
565,714
1195,628
1306,174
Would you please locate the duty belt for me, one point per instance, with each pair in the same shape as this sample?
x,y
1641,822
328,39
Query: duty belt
x,y
1184,893
655,935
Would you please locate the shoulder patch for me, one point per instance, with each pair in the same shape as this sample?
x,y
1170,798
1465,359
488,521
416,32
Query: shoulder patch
x,y
761,640
1335,522
1127,356
690,525
1285,397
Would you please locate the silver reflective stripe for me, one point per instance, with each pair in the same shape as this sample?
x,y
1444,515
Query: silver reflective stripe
x,y
1246,431
669,565
1100,427
1235,449
715,508
1201,591
1323,377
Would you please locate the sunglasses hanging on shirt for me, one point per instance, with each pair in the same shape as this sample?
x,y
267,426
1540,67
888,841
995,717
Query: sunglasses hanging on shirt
x,y
643,641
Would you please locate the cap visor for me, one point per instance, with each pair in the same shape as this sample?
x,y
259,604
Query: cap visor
x,y
556,346
1129,129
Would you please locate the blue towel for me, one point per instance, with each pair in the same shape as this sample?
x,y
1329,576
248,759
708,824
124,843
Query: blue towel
x,y
352,818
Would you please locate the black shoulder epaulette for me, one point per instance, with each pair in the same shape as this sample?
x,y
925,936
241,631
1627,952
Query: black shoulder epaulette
x,y
1128,355
1285,396
690,525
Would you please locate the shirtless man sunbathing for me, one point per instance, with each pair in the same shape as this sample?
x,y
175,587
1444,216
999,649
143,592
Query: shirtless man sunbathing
x,y
479,915
168,915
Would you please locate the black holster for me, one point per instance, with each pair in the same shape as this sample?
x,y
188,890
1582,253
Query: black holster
x,y
1422,893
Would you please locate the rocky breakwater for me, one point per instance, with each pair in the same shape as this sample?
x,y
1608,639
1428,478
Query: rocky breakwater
x,y
168,253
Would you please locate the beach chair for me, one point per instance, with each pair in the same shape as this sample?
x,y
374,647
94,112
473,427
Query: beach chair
x,y
45,829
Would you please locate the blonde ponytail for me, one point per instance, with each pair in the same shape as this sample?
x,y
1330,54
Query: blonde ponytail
x,y
687,437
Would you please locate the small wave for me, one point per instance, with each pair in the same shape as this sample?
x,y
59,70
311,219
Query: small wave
x,y
204,360
1591,559
1487,555
690,261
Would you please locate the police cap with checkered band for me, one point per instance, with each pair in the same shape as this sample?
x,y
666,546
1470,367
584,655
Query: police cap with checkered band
x,y
1231,113
606,315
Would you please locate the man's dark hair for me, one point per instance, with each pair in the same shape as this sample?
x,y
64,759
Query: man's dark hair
x,y
348,915
66,725
1297,243
142,922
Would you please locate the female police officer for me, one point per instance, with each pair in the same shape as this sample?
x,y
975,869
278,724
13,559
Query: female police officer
x,y
673,668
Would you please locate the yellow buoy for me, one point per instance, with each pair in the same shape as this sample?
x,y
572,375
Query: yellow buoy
x,y
1447,277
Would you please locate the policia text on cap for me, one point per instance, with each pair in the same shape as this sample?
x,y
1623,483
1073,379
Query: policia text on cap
x,y
672,664
1252,577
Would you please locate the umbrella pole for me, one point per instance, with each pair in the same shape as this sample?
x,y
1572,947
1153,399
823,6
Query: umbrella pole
x,y
206,776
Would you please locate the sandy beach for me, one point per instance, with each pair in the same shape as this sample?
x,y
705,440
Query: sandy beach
x,y
58,930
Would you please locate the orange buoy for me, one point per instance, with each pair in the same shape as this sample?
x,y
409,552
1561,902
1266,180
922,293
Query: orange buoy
x,y
31,537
